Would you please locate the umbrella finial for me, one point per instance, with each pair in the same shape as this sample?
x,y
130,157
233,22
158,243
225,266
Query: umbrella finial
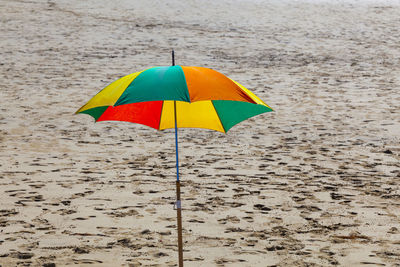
x,y
173,57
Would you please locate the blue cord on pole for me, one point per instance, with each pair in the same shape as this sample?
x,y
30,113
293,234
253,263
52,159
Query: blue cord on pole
x,y
176,144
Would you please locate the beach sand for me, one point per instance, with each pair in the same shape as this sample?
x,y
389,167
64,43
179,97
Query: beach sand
x,y
315,183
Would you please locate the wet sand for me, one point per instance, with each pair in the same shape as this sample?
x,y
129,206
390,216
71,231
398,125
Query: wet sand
x,y
315,183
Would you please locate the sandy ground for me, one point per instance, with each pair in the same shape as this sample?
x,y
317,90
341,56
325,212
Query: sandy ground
x,y
315,183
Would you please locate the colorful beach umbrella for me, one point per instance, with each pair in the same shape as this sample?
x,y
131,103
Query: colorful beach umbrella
x,y
204,98
176,97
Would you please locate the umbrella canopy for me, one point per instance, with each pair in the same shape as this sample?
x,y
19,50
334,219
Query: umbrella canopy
x,y
204,98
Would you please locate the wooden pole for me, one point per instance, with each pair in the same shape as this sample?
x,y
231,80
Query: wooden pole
x,y
179,218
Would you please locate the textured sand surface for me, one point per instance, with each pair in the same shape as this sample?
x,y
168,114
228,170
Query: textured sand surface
x,y
315,183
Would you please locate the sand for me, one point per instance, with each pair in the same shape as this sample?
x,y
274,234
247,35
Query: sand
x,y
315,183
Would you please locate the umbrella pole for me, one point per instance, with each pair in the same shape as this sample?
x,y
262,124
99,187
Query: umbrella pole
x,y
178,186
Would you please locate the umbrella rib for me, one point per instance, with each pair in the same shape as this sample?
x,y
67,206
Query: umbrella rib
x,y
220,121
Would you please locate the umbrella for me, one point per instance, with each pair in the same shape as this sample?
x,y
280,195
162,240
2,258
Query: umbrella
x,y
176,97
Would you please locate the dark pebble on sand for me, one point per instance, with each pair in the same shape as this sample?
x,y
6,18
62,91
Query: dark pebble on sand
x,y
124,241
261,207
66,202
81,250
23,256
274,248
160,254
335,196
